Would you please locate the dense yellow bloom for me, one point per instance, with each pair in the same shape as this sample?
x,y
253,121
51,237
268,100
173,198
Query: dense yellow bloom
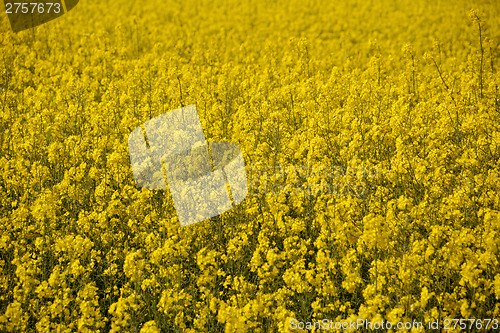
x,y
370,136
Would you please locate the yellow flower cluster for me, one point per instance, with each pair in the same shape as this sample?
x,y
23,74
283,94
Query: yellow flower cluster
x,y
387,113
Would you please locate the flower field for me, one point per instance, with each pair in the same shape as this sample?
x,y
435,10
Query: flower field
x,y
370,132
